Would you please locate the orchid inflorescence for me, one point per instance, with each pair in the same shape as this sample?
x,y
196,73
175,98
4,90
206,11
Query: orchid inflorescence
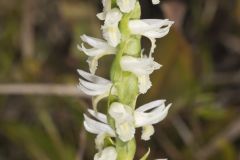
x,y
130,76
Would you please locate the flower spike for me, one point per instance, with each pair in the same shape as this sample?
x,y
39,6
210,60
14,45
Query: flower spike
x,y
122,30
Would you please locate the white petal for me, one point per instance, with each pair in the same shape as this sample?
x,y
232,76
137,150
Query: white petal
x,y
147,132
91,92
141,27
151,105
99,140
126,6
93,61
144,83
112,34
155,2
153,117
99,116
106,8
96,127
120,113
113,17
101,16
124,120
94,42
100,49
139,66
150,28
125,130
108,153
94,86
110,28
93,78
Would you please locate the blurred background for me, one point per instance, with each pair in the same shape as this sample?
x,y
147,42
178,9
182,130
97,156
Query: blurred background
x,y
41,111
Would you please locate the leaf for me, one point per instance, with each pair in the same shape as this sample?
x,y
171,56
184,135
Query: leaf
x,y
146,155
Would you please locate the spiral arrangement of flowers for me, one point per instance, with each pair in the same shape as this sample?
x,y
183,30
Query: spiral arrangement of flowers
x,y
130,76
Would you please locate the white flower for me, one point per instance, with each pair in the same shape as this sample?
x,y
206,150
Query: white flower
x,y
150,28
126,6
109,153
95,86
124,121
141,67
97,127
155,2
149,114
145,116
100,49
106,8
110,28
100,127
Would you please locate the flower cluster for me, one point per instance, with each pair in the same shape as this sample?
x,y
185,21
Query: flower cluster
x,y
130,76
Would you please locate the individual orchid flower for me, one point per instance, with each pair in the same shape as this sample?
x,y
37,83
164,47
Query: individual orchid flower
x,y
124,120
100,49
110,28
155,2
106,8
145,116
142,68
150,28
100,127
126,6
95,86
108,153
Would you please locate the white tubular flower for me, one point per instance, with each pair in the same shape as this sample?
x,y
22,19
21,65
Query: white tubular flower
x,y
141,67
126,6
106,8
95,86
100,49
124,120
110,28
155,2
149,114
150,28
109,153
